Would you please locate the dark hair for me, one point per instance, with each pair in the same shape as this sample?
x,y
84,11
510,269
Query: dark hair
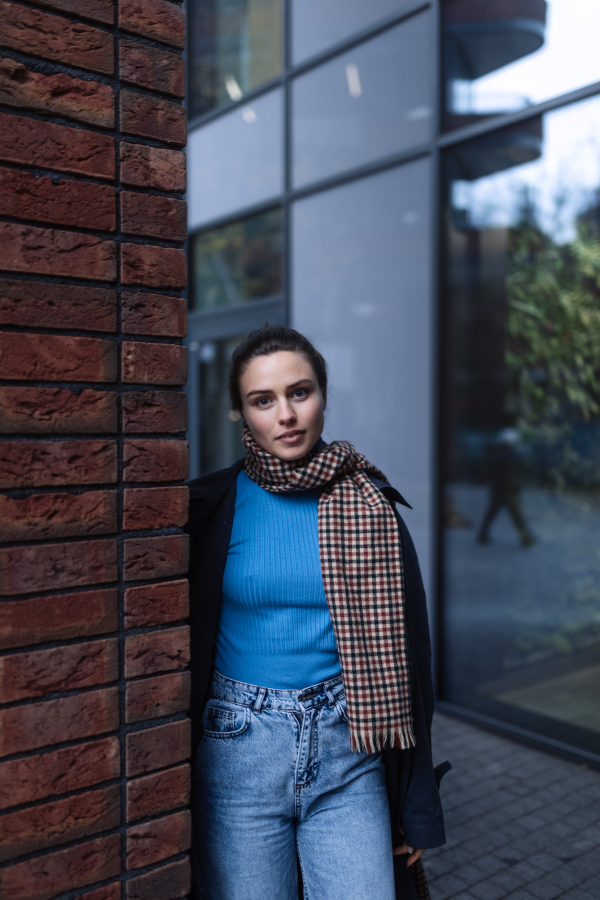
x,y
272,339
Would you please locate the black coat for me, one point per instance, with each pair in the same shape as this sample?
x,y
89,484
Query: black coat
x,y
411,780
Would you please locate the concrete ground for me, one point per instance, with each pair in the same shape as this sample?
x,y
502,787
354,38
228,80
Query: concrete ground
x,y
521,824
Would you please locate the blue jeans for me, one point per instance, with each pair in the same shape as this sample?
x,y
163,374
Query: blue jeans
x,y
276,781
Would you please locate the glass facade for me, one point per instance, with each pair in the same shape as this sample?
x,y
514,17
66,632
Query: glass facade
x,y
504,55
368,103
426,208
238,262
522,429
234,45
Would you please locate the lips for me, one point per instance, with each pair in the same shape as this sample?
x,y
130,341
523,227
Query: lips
x,y
290,435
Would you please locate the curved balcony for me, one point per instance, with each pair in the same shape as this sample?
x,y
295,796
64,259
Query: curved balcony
x,y
484,35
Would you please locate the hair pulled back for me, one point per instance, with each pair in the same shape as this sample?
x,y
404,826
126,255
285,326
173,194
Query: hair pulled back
x,y
272,339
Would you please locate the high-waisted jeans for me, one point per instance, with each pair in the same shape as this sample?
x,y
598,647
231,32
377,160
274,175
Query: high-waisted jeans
x,y
276,782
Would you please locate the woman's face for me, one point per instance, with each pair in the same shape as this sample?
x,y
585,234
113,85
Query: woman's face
x,y
282,404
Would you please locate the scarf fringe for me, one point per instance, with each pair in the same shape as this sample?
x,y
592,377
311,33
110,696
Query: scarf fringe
x,y
367,742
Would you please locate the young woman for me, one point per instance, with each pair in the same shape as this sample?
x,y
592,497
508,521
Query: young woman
x,y
311,675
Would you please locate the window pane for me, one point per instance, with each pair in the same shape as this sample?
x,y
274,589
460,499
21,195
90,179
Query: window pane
x,y
367,103
237,263
220,428
234,46
318,24
521,433
361,290
236,161
501,56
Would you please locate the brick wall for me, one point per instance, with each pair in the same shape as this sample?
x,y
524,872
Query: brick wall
x,y
94,738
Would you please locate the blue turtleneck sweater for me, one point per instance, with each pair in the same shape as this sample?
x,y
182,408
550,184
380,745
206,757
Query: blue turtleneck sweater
x,y
275,629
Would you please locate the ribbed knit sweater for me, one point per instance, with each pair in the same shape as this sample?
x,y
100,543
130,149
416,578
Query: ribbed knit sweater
x,y
275,628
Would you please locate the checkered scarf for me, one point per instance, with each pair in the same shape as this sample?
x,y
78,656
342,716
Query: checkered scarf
x,y
363,575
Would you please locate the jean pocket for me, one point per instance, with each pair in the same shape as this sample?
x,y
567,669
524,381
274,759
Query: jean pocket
x,y
224,720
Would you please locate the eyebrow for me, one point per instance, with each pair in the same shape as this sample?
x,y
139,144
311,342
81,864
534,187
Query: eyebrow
x,y
288,388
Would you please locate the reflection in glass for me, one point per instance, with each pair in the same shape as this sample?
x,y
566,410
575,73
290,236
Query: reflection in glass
x,y
237,263
521,434
361,290
234,46
220,428
318,24
367,103
502,56
236,161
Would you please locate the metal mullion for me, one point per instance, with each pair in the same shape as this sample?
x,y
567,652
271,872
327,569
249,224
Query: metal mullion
x,y
436,375
495,123
243,213
287,161
372,168
221,111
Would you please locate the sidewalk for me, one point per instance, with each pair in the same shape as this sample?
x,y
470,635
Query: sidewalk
x,y
521,824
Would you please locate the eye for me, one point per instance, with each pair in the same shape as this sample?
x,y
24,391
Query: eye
x,y
263,401
300,393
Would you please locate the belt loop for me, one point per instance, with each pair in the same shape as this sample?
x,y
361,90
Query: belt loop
x,y
330,698
262,693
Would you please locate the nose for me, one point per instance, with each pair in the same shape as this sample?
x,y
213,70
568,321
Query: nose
x,y
286,412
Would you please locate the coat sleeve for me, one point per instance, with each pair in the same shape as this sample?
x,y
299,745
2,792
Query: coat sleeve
x,y
420,808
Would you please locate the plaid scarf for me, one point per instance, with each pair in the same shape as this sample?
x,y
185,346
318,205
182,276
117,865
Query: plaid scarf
x,y
363,576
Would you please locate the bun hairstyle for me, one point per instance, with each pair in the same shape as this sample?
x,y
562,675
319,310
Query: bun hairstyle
x,y
272,339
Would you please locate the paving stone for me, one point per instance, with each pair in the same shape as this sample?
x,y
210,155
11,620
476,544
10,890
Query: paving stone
x,y
521,824
487,890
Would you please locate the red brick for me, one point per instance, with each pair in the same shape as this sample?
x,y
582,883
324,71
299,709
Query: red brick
x,y
151,117
156,604
56,38
76,203
161,695
155,557
72,768
97,10
158,20
46,516
54,721
35,304
156,748
60,821
158,793
151,842
153,314
47,876
155,460
32,410
52,463
35,143
151,216
109,892
148,67
144,363
167,883
153,167
50,357
58,95
148,411
146,508
153,267
158,651
39,567
41,619
48,251
66,668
